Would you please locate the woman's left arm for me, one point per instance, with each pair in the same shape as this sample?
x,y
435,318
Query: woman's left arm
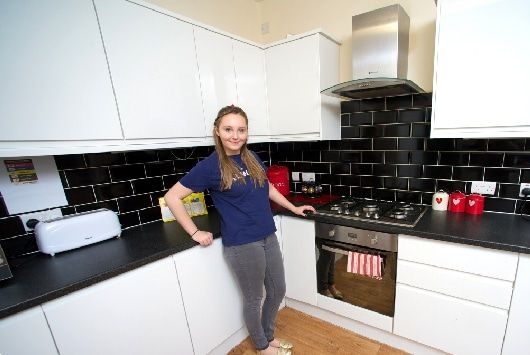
x,y
277,197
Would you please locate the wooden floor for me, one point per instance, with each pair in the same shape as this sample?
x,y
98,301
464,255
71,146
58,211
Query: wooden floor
x,y
312,336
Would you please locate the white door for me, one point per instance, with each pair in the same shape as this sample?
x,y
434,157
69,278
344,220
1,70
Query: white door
x,y
298,238
293,86
517,340
154,69
216,71
447,323
211,296
251,80
26,333
481,69
138,312
55,80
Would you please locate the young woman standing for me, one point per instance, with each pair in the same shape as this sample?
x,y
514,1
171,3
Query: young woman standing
x,y
239,188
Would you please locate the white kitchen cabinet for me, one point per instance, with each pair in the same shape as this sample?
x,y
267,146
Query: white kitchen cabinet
x,y
516,340
138,312
453,297
26,333
216,71
297,70
211,296
56,88
481,69
278,224
251,80
450,324
298,238
153,63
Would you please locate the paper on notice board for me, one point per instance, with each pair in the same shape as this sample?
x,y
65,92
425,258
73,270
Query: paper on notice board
x,y
30,184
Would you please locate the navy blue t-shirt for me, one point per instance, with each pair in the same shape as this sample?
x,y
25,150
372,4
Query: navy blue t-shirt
x,y
245,210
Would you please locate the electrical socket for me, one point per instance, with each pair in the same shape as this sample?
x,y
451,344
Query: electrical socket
x,y
308,176
483,187
523,186
295,176
40,216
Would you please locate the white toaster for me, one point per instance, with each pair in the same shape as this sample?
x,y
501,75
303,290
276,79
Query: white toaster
x,y
74,231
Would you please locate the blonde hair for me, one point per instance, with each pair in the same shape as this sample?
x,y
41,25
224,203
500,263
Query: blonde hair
x,y
228,167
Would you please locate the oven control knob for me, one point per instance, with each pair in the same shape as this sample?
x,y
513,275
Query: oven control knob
x,y
357,213
374,240
368,214
376,215
331,233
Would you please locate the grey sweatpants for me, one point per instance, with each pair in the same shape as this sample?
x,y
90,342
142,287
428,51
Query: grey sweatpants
x,y
254,265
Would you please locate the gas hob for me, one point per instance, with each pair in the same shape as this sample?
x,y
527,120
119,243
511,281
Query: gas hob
x,y
375,211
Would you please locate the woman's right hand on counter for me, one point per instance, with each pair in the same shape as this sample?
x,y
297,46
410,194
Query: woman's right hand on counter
x,y
203,237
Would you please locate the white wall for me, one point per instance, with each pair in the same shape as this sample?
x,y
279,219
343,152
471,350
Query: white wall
x,y
245,17
239,17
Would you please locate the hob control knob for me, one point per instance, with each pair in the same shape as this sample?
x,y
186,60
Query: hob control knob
x,y
376,215
357,213
374,240
331,233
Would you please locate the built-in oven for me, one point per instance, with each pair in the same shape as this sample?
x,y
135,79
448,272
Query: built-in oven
x,y
358,265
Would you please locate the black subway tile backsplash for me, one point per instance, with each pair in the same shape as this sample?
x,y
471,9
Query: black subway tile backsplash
x,y
397,102
385,152
114,190
89,176
486,159
127,172
376,104
385,117
408,116
104,159
80,195
503,145
159,168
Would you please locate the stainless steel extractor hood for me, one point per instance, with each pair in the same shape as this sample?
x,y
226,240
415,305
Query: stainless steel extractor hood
x,y
380,41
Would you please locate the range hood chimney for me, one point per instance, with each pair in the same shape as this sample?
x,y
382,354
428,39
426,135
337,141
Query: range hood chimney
x,y
380,41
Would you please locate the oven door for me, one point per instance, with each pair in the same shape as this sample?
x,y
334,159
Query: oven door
x,y
360,288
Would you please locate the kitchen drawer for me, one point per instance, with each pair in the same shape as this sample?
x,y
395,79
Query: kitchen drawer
x,y
491,292
473,259
447,323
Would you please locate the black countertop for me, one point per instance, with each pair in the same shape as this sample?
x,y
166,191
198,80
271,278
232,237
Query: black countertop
x,y
40,278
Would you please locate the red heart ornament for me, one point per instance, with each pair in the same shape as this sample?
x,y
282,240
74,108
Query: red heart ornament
x,y
438,200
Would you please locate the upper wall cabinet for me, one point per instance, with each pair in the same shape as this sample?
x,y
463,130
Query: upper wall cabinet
x,y
232,73
55,79
251,80
216,70
153,64
481,69
297,70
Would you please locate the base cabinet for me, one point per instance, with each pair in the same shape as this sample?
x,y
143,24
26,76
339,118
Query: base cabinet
x,y
517,340
26,333
298,238
211,296
450,324
453,297
138,312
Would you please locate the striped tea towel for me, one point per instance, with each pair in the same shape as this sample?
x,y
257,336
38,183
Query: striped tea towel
x,y
365,264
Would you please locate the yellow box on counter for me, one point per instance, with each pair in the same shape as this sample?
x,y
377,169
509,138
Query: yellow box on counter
x,y
194,204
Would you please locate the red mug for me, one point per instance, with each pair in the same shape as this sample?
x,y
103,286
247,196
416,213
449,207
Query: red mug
x,y
475,204
457,202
